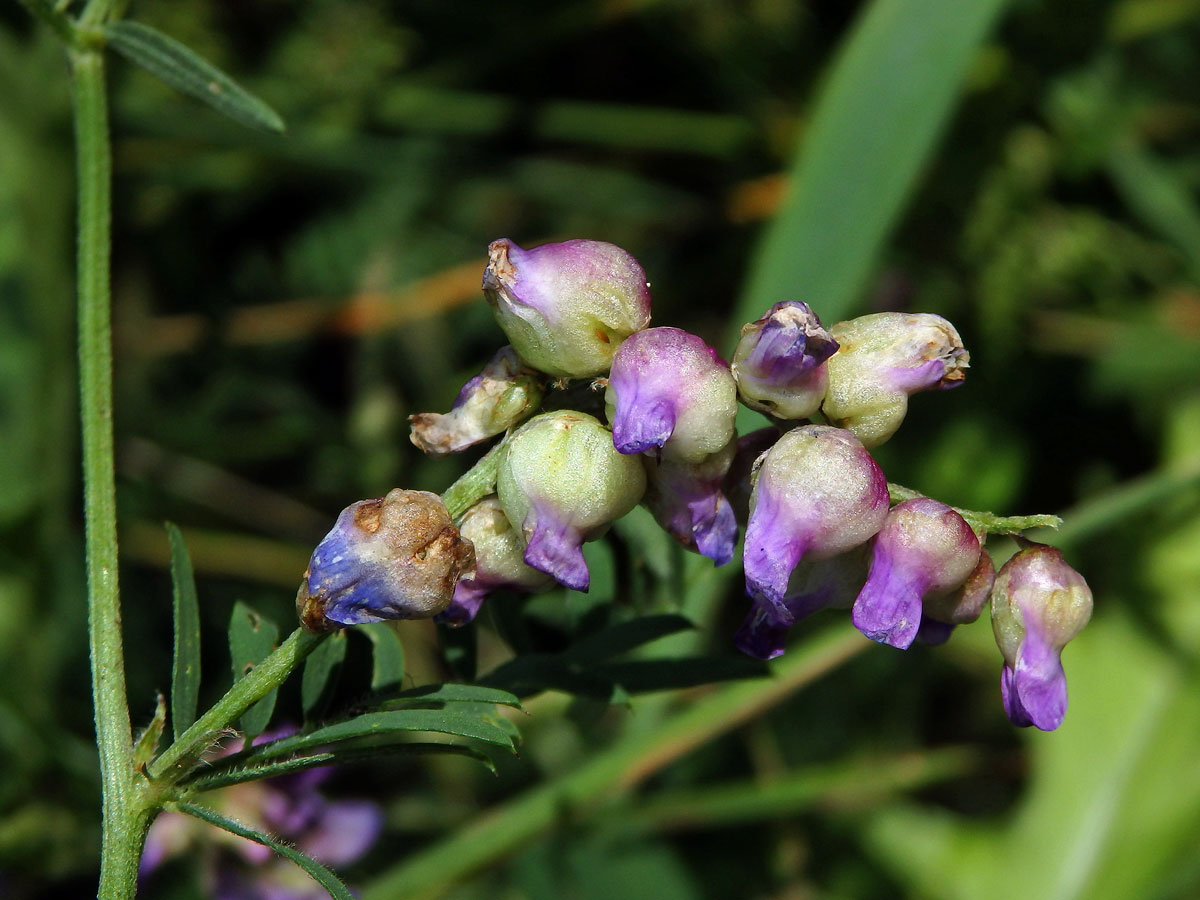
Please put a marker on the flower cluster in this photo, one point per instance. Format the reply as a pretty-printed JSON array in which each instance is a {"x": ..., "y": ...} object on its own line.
[{"x": 820, "y": 527}]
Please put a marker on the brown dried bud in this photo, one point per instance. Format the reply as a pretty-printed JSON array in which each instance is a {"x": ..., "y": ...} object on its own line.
[{"x": 398, "y": 557}]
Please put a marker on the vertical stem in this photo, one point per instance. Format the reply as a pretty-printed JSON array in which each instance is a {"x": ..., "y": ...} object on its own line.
[{"x": 124, "y": 816}]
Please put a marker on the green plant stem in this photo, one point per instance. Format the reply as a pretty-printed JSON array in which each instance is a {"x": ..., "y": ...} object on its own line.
[
  {"x": 124, "y": 814},
  {"x": 183, "y": 755},
  {"x": 475, "y": 484},
  {"x": 55, "y": 19},
  {"x": 610, "y": 772},
  {"x": 97, "y": 12},
  {"x": 855, "y": 784},
  {"x": 984, "y": 522}
]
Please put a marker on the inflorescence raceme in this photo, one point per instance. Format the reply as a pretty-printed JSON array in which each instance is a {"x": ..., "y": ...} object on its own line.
[{"x": 820, "y": 530}]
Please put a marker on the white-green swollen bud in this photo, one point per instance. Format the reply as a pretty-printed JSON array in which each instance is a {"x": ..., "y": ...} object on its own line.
[
  {"x": 881, "y": 360},
  {"x": 561, "y": 482},
  {"x": 1039, "y": 603},
  {"x": 566, "y": 307},
  {"x": 670, "y": 395},
  {"x": 499, "y": 562},
  {"x": 500, "y": 396}
]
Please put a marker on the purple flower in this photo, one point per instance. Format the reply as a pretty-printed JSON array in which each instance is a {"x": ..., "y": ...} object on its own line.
[
  {"x": 1039, "y": 603},
  {"x": 561, "y": 482},
  {"x": 499, "y": 562},
  {"x": 566, "y": 307},
  {"x": 924, "y": 548},
  {"x": 779, "y": 362},
  {"x": 500, "y": 396},
  {"x": 670, "y": 394},
  {"x": 881, "y": 360},
  {"x": 817, "y": 493},
  {"x": 687, "y": 501},
  {"x": 333, "y": 832},
  {"x": 398, "y": 557},
  {"x": 815, "y": 585}
]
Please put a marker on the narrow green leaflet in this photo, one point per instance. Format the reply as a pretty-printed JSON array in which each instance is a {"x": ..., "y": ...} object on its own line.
[
  {"x": 455, "y": 693},
  {"x": 185, "y": 668},
  {"x": 536, "y": 672},
  {"x": 321, "y": 875},
  {"x": 251, "y": 639},
  {"x": 180, "y": 67},
  {"x": 387, "y": 656},
  {"x": 320, "y": 675},
  {"x": 342, "y": 754},
  {"x": 383, "y": 724},
  {"x": 624, "y": 637}
]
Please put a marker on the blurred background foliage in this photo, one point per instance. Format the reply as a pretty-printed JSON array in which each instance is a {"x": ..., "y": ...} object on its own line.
[{"x": 282, "y": 304}]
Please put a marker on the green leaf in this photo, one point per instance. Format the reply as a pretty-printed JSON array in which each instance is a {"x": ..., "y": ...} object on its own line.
[
  {"x": 381, "y": 724},
  {"x": 185, "y": 668},
  {"x": 624, "y": 637},
  {"x": 874, "y": 127},
  {"x": 321, "y": 669},
  {"x": 251, "y": 639},
  {"x": 456, "y": 693},
  {"x": 180, "y": 67},
  {"x": 387, "y": 655},
  {"x": 321, "y": 875}
]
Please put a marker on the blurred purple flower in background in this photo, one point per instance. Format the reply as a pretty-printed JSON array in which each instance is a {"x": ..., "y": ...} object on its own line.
[{"x": 333, "y": 832}]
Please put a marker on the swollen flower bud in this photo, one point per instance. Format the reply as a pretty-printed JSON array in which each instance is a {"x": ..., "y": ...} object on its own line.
[
  {"x": 924, "y": 548},
  {"x": 779, "y": 361},
  {"x": 1039, "y": 603},
  {"x": 398, "y": 557},
  {"x": 669, "y": 393},
  {"x": 500, "y": 396},
  {"x": 561, "y": 482},
  {"x": 882, "y": 359},
  {"x": 939, "y": 615},
  {"x": 815, "y": 585},
  {"x": 687, "y": 501},
  {"x": 499, "y": 562},
  {"x": 817, "y": 493},
  {"x": 566, "y": 307}
]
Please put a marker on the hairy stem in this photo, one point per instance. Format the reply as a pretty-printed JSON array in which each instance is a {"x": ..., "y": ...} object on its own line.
[
  {"x": 475, "y": 484},
  {"x": 183, "y": 755},
  {"x": 124, "y": 815}
]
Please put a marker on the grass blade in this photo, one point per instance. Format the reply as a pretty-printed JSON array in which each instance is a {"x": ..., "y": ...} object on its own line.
[
  {"x": 873, "y": 129},
  {"x": 185, "y": 666}
]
